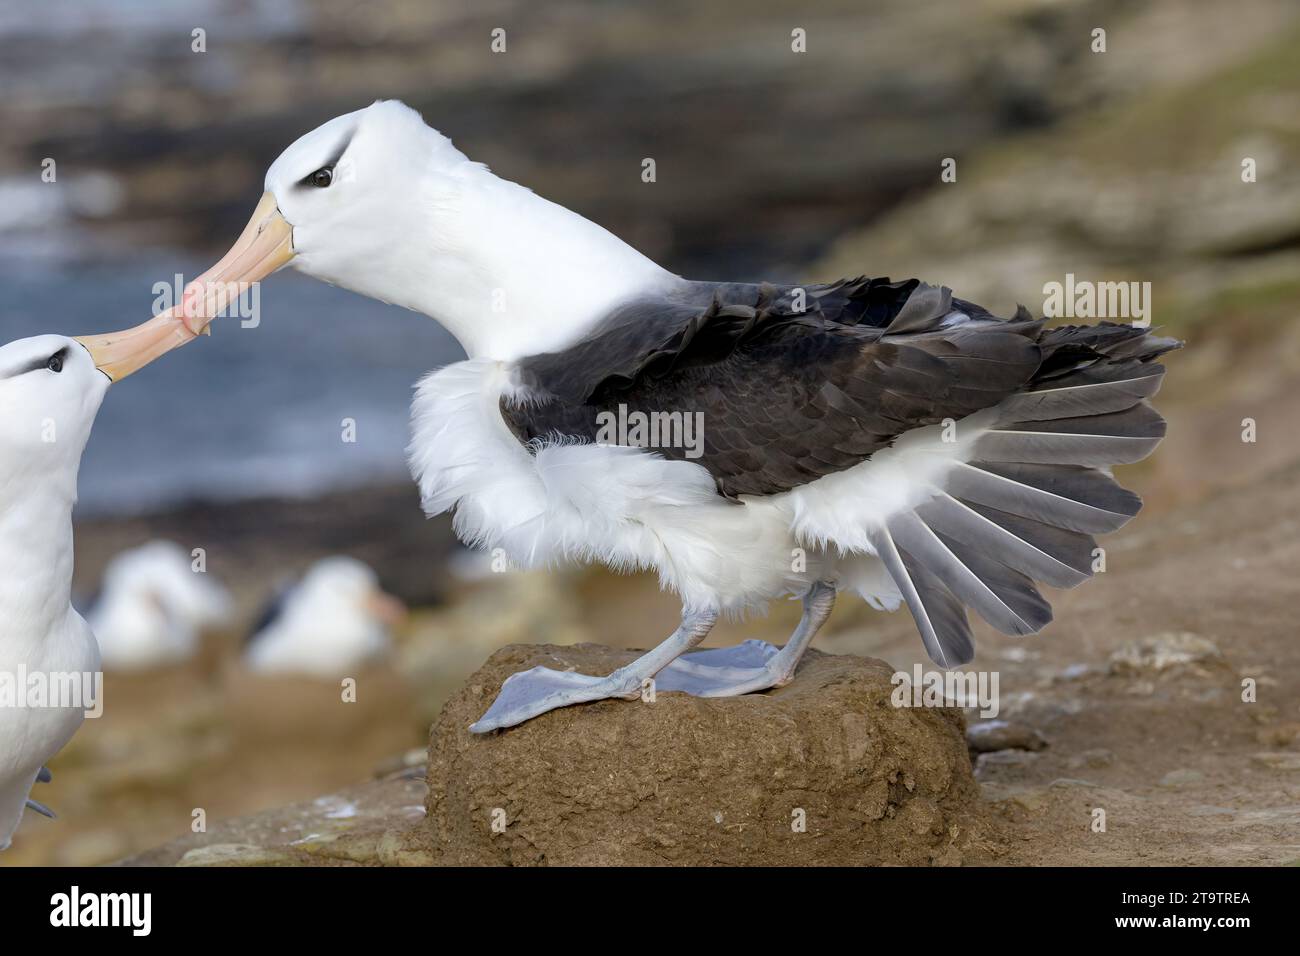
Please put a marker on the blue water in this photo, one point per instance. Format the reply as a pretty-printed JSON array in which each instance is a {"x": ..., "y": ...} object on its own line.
[{"x": 248, "y": 411}]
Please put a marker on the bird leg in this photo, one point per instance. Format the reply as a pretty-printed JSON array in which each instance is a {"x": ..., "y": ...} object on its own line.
[
  {"x": 42, "y": 776},
  {"x": 40, "y": 808},
  {"x": 532, "y": 692},
  {"x": 753, "y": 665}
]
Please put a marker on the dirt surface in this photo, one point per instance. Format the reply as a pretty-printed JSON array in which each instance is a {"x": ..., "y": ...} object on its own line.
[
  {"x": 365, "y": 825},
  {"x": 177, "y": 749}
]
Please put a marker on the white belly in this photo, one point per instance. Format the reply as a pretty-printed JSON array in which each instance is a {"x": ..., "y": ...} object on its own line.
[{"x": 31, "y": 735}]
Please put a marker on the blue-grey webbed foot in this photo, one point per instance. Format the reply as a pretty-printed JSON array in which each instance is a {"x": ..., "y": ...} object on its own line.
[
  {"x": 530, "y": 693},
  {"x": 711, "y": 672},
  {"x": 750, "y": 666}
]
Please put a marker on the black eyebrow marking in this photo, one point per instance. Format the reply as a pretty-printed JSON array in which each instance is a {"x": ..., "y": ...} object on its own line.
[
  {"x": 36, "y": 364},
  {"x": 334, "y": 161}
]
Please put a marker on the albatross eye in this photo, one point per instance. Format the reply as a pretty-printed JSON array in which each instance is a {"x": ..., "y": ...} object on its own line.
[
  {"x": 55, "y": 363},
  {"x": 322, "y": 177}
]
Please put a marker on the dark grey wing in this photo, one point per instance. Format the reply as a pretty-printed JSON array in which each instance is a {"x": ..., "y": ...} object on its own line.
[
  {"x": 789, "y": 384},
  {"x": 270, "y": 612},
  {"x": 790, "y": 394}
]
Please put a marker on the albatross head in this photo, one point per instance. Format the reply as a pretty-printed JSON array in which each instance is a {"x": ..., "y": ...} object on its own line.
[
  {"x": 51, "y": 387},
  {"x": 50, "y": 392},
  {"x": 355, "y": 202},
  {"x": 379, "y": 203},
  {"x": 367, "y": 195}
]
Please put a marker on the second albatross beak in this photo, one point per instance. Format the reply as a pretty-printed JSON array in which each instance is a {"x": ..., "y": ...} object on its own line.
[
  {"x": 265, "y": 245},
  {"x": 118, "y": 354}
]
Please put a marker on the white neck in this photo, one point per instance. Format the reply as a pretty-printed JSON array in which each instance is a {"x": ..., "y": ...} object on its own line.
[
  {"x": 36, "y": 555},
  {"x": 510, "y": 274}
]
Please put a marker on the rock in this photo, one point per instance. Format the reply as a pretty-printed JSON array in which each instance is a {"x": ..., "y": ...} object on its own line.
[
  {"x": 1032, "y": 800},
  {"x": 235, "y": 854},
  {"x": 1067, "y": 794},
  {"x": 990, "y": 764},
  {"x": 411, "y": 760},
  {"x": 823, "y": 771},
  {"x": 1277, "y": 761},
  {"x": 1279, "y": 735},
  {"x": 367, "y": 825},
  {"x": 1181, "y": 778},
  {"x": 1095, "y": 758},
  {"x": 1162, "y": 651},
  {"x": 992, "y": 735}
]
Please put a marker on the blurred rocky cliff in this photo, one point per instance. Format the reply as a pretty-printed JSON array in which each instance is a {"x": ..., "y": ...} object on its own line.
[{"x": 762, "y": 153}]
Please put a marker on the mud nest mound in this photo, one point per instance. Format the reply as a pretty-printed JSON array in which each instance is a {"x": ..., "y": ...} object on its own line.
[{"x": 824, "y": 771}]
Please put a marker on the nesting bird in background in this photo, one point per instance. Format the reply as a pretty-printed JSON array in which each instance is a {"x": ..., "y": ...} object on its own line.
[
  {"x": 51, "y": 388},
  {"x": 332, "y": 621},
  {"x": 154, "y": 607},
  {"x": 881, "y": 438}
]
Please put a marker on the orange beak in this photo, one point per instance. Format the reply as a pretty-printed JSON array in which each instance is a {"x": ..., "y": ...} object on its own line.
[
  {"x": 265, "y": 245},
  {"x": 386, "y": 608},
  {"x": 118, "y": 354}
]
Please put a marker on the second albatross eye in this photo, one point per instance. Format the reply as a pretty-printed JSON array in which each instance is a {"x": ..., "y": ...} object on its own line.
[
  {"x": 322, "y": 177},
  {"x": 55, "y": 364}
]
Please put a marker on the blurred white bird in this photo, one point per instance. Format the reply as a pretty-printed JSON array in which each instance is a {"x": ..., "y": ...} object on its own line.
[
  {"x": 50, "y": 392},
  {"x": 154, "y": 607},
  {"x": 333, "y": 620}
]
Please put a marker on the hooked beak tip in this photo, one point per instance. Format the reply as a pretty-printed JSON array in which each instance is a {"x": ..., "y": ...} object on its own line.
[{"x": 265, "y": 245}]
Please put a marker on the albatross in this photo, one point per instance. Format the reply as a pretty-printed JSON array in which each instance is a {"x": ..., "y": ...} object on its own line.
[
  {"x": 881, "y": 438},
  {"x": 51, "y": 388},
  {"x": 154, "y": 607},
  {"x": 335, "y": 619}
]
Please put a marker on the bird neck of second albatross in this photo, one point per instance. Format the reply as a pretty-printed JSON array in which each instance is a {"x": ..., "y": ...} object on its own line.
[
  {"x": 512, "y": 274},
  {"x": 35, "y": 555}
]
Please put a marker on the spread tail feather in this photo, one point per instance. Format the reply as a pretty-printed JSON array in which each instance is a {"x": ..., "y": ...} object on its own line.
[
  {"x": 939, "y": 616},
  {"x": 1023, "y": 504}
]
